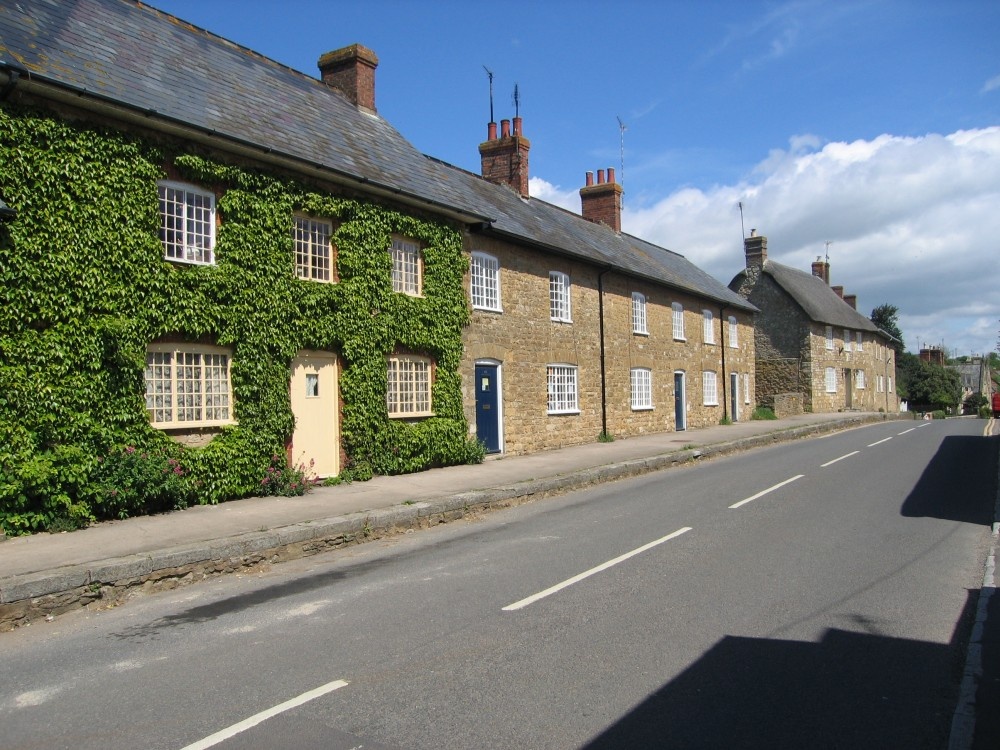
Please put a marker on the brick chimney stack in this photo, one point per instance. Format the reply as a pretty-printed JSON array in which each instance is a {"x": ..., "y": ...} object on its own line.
[
  {"x": 601, "y": 203},
  {"x": 852, "y": 300},
  {"x": 821, "y": 269},
  {"x": 755, "y": 248},
  {"x": 351, "y": 71},
  {"x": 839, "y": 291},
  {"x": 505, "y": 159}
]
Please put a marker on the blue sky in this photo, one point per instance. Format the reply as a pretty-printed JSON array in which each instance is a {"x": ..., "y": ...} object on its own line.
[{"x": 874, "y": 126}]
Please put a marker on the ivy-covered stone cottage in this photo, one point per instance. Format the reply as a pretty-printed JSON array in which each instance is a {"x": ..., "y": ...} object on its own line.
[{"x": 246, "y": 269}]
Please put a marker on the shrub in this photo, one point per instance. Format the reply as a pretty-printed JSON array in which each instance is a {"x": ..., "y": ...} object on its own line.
[
  {"x": 133, "y": 481},
  {"x": 763, "y": 412},
  {"x": 287, "y": 481}
]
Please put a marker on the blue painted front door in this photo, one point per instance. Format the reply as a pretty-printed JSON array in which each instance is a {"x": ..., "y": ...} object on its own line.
[{"x": 488, "y": 407}]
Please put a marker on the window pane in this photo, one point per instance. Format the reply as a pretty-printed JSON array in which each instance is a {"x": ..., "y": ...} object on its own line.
[
  {"x": 562, "y": 393},
  {"x": 405, "y": 267},
  {"x": 642, "y": 388},
  {"x": 187, "y": 224},
  {"x": 313, "y": 249},
  {"x": 485, "y": 282},
  {"x": 408, "y": 386},
  {"x": 559, "y": 307}
]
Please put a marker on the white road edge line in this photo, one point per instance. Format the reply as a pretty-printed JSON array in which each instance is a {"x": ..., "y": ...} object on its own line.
[
  {"x": 764, "y": 492},
  {"x": 879, "y": 442},
  {"x": 586, "y": 574},
  {"x": 846, "y": 455},
  {"x": 256, "y": 719},
  {"x": 906, "y": 431}
]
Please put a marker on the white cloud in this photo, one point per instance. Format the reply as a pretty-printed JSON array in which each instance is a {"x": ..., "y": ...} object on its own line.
[
  {"x": 546, "y": 191},
  {"x": 991, "y": 85},
  {"x": 913, "y": 222}
]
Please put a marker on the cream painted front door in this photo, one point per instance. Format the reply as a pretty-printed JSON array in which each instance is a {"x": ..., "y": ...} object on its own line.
[{"x": 315, "y": 404}]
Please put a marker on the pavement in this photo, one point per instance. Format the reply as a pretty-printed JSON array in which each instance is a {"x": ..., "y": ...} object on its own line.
[{"x": 48, "y": 574}]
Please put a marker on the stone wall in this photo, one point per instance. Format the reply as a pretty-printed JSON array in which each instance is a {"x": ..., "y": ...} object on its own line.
[{"x": 523, "y": 340}]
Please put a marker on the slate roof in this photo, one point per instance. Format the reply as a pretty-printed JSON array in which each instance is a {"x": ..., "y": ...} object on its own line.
[
  {"x": 816, "y": 298},
  {"x": 135, "y": 56}
]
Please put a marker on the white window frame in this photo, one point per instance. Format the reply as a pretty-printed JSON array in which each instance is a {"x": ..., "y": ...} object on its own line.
[
  {"x": 890, "y": 383},
  {"x": 188, "y": 385},
  {"x": 707, "y": 329},
  {"x": 734, "y": 329},
  {"x": 408, "y": 386},
  {"x": 709, "y": 388},
  {"x": 677, "y": 321},
  {"x": 829, "y": 338},
  {"x": 859, "y": 380},
  {"x": 639, "y": 314},
  {"x": 847, "y": 340},
  {"x": 880, "y": 384},
  {"x": 858, "y": 339},
  {"x": 560, "y": 298},
  {"x": 485, "y": 283},
  {"x": 641, "y": 379},
  {"x": 831, "y": 379},
  {"x": 407, "y": 266},
  {"x": 313, "y": 247},
  {"x": 187, "y": 223},
  {"x": 746, "y": 388},
  {"x": 562, "y": 387}
]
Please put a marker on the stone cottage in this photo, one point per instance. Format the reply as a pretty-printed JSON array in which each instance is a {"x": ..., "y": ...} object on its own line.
[{"x": 814, "y": 350}]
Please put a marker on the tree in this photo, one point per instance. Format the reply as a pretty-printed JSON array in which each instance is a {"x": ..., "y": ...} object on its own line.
[
  {"x": 927, "y": 386},
  {"x": 886, "y": 317}
]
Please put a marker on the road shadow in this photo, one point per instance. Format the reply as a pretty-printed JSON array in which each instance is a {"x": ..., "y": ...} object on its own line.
[
  {"x": 850, "y": 691},
  {"x": 959, "y": 483}
]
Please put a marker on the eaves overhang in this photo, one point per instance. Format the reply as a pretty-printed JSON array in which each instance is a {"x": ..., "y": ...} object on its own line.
[
  {"x": 607, "y": 265},
  {"x": 81, "y": 97}
]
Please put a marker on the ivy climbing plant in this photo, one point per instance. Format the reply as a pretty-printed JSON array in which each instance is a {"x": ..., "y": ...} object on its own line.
[{"x": 84, "y": 289}]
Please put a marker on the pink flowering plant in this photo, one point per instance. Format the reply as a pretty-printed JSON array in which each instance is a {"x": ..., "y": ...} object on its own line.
[
  {"x": 287, "y": 480},
  {"x": 135, "y": 481}
]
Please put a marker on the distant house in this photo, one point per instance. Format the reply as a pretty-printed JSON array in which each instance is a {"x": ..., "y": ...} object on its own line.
[
  {"x": 215, "y": 250},
  {"x": 975, "y": 376},
  {"x": 811, "y": 342}
]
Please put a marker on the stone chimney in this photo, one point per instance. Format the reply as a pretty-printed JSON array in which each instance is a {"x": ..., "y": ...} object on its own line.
[
  {"x": 821, "y": 269},
  {"x": 755, "y": 247},
  {"x": 852, "y": 300},
  {"x": 505, "y": 159},
  {"x": 351, "y": 71},
  {"x": 601, "y": 203}
]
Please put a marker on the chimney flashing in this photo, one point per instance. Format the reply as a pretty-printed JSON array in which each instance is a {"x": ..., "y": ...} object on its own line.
[
  {"x": 505, "y": 159},
  {"x": 755, "y": 249},
  {"x": 351, "y": 70},
  {"x": 601, "y": 203}
]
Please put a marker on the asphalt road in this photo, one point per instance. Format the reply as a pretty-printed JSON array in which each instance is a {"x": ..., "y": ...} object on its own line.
[{"x": 815, "y": 594}]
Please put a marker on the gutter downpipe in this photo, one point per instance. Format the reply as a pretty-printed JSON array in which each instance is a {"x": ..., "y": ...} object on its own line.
[
  {"x": 604, "y": 379},
  {"x": 13, "y": 76},
  {"x": 725, "y": 379}
]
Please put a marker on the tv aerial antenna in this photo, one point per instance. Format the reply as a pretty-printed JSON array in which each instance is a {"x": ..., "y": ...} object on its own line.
[
  {"x": 489, "y": 74},
  {"x": 517, "y": 101},
  {"x": 621, "y": 135},
  {"x": 828, "y": 243}
]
